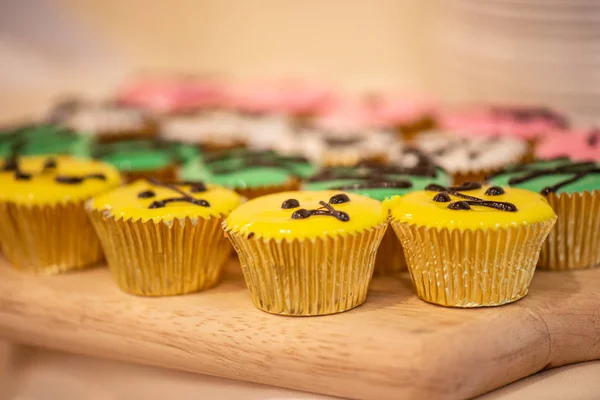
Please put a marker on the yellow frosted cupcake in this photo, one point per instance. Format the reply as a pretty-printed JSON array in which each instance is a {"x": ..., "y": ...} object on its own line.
[
  {"x": 164, "y": 239},
  {"x": 44, "y": 227},
  {"x": 307, "y": 253},
  {"x": 471, "y": 246}
]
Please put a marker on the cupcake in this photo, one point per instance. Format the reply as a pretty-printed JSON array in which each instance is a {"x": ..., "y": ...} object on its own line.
[
  {"x": 573, "y": 191},
  {"x": 42, "y": 139},
  {"x": 404, "y": 114},
  {"x": 163, "y": 239},
  {"x": 45, "y": 229},
  {"x": 136, "y": 159},
  {"x": 380, "y": 183},
  {"x": 471, "y": 246},
  {"x": 249, "y": 173},
  {"x": 213, "y": 130},
  {"x": 307, "y": 253},
  {"x": 471, "y": 159},
  {"x": 578, "y": 145}
]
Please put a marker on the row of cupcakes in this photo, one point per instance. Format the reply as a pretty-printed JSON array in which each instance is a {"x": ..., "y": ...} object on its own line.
[{"x": 311, "y": 252}]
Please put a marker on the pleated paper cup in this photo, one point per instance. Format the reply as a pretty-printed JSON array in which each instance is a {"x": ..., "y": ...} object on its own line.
[
  {"x": 162, "y": 258},
  {"x": 390, "y": 255},
  {"x": 257, "y": 191},
  {"x": 309, "y": 277},
  {"x": 472, "y": 268},
  {"x": 574, "y": 243},
  {"x": 48, "y": 239}
]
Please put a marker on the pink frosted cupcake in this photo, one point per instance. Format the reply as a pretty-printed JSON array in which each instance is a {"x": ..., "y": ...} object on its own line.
[
  {"x": 406, "y": 115},
  {"x": 578, "y": 145}
]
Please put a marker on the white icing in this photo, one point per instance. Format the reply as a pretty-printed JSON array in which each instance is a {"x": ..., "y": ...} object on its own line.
[
  {"x": 103, "y": 120},
  {"x": 210, "y": 127},
  {"x": 265, "y": 131},
  {"x": 492, "y": 152}
]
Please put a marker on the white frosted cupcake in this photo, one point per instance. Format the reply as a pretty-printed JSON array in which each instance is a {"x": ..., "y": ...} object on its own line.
[{"x": 473, "y": 158}]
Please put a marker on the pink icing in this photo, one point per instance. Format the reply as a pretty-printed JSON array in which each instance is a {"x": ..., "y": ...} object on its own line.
[
  {"x": 169, "y": 95},
  {"x": 523, "y": 122},
  {"x": 578, "y": 145},
  {"x": 394, "y": 110},
  {"x": 284, "y": 97}
]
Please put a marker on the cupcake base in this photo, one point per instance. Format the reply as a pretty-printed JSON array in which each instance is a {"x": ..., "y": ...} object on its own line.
[
  {"x": 148, "y": 131},
  {"x": 253, "y": 192},
  {"x": 574, "y": 243},
  {"x": 163, "y": 258},
  {"x": 409, "y": 131},
  {"x": 472, "y": 268},
  {"x": 48, "y": 239},
  {"x": 390, "y": 255},
  {"x": 308, "y": 277}
]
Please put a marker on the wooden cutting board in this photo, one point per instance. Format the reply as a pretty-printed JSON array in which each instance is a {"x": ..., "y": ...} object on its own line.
[{"x": 393, "y": 347}]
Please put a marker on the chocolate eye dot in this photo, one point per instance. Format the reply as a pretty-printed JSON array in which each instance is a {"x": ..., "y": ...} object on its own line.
[
  {"x": 21, "y": 176},
  {"x": 290, "y": 203},
  {"x": 442, "y": 197},
  {"x": 146, "y": 194},
  {"x": 301, "y": 214},
  {"x": 494, "y": 191},
  {"x": 459, "y": 205},
  {"x": 339, "y": 199},
  {"x": 198, "y": 187},
  {"x": 50, "y": 163}
]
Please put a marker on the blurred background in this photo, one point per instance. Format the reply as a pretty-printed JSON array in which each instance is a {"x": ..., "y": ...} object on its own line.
[{"x": 528, "y": 51}]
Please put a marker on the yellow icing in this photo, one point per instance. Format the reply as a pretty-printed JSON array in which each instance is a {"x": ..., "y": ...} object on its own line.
[
  {"x": 419, "y": 208},
  {"x": 42, "y": 187},
  {"x": 264, "y": 218},
  {"x": 125, "y": 203}
]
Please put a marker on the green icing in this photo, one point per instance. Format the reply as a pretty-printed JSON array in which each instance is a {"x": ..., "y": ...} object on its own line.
[
  {"x": 43, "y": 139},
  {"x": 141, "y": 160},
  {"x": 241, "y": 168},
  {"x": 589, "y": 182},
  {"x": 419, "y": 182}
]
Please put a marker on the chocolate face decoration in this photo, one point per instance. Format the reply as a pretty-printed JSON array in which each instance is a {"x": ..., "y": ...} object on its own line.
[
  {"x": 532, "y": 113},
  {"x": 326, "y": 209},
  {"x": 445, "y": 193},
  {"x": 234, "y": 160},
  {"x": 12, "y": 164},
  {"x": 593, "y": 138},
  {"x": 185, "y": 197}
]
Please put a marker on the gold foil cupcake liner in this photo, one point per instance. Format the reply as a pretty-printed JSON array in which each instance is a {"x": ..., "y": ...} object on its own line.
[
  {"x": 472, "y": 268},
  {"x": 253, "y": 192},
  {"x": 308, "y": 277},
  {"x": 574, "y": 243},
  {"x": 390, "y": 255},
  {"x": 162, "y": 259},
  {"x": 410, "y": 131},
  {"x": 48, "y": 239}
]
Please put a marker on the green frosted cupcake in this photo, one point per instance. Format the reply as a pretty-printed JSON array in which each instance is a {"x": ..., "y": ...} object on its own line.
[
  {"x": 381, "y": 182},
  {"x": 30, "y": 140},
  {"x": 573, "y": 191},
  {"x": 145, "y": 158},
  {"x": 250, "y": 173}
]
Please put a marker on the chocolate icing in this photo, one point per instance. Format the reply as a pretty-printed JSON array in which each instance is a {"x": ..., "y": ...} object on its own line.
[
  {"x": 251, "y": 159},
  {"x": 339, "y": 199},
  {"x": 525, "y": 114},
  {"x": 326, "y": 210},
  {"x": 593, "y": 138},
  {"x": 290, "y": 203},
  {"x": 185, "y": 197},
  {"x": 398, "y": 184},
  {"x": 469, "y": 200},
  {"x": 146, "y": 194},
  {"x": 75, "y": 180}
]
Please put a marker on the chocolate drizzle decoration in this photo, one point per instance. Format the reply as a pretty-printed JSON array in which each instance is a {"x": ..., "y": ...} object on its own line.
[
  {"x": 326, "y": 210},
  {"x": 242, "y": 159},
  {"x": 185, "y": 197},
  {"x": 593, "y": 138},
  {"x": 445, "y": 193},
  {"x": 75, "y": 180},
  {"x": 146, "y": 194}
]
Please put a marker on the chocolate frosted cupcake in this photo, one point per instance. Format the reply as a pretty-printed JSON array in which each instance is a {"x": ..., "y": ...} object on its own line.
[
  {"x": 41, "y": 139},
  {"x": 250, "y": 173},
  {"x": 471, "y": 246},
  {"x": 45, "y": 229},
  {"x": 471, "y": 159},
  {"x": 382, "y": 182},
  {"x": 164, "y": 239},
  {"x": 137, "y": 159},
  {"x": 105, "y": 122},
  {"x": 573, "y": 191},
  {"x": 307, "y": 253}
]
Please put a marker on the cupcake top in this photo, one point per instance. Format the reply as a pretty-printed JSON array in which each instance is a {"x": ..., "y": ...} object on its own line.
[
  {"x": 578, "y": 145},
  {"x": 551, "y": 176},
  {"x": 393, "y": 109},
  {"x": 470, "y": 206},
  {"x": 379, "y": 181},
  {"x": 57, "y": 179},
  {"x": 305, "y": 215},
  {"x": 143, "y": 155},
  {"x": 457, "y": 154},
  {"x": 104, "y": 119},
  {"x": 206, "y": 127},
  {"x": 245, "y": 168},
  {"x": 29, "y": 140},
  {"x": 519, "y": 121},
  {"x": 158, "y": 201}
]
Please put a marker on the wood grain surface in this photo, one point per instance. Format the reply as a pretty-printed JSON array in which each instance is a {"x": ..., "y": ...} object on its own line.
[{"x": 393, "y": 347}]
